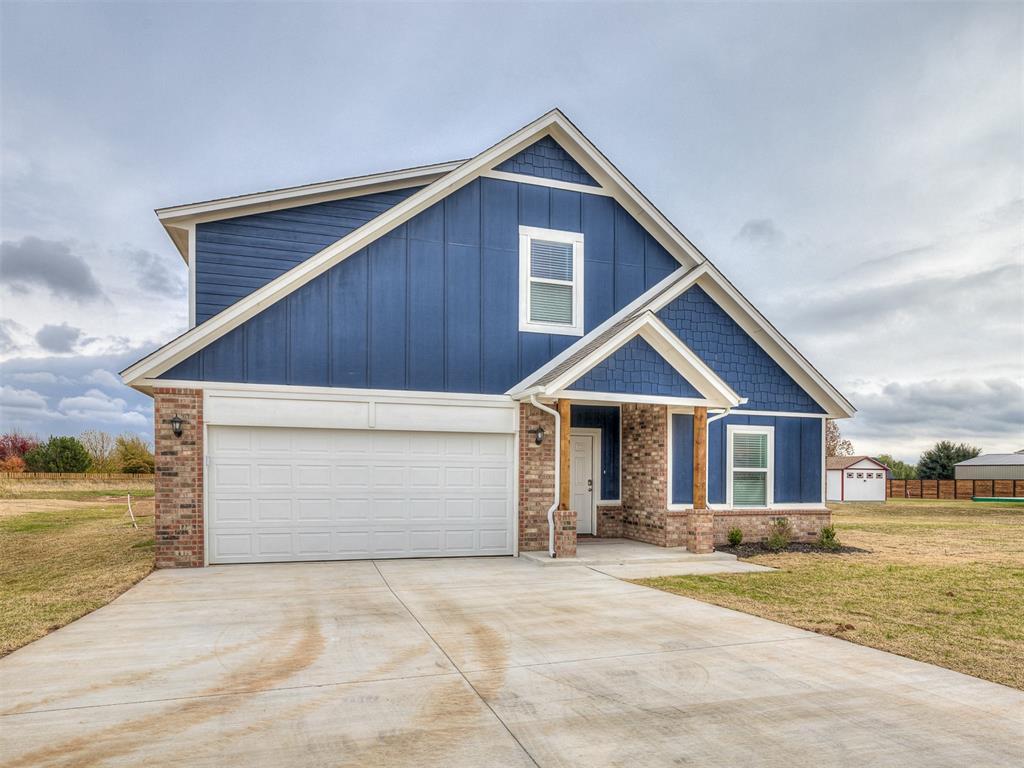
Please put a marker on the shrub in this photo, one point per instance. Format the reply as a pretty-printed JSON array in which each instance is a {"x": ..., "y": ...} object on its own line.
[
  {"x": 133, "y": 455},
  {"x": 58, "y": 454},
  {"x": 16, "y": 444},
  {"x": 780, "y": 534},
  {"x": 827, "y": 538},
  {"x": 12, "y": 464},
  {"x": 735, "y": 537}
]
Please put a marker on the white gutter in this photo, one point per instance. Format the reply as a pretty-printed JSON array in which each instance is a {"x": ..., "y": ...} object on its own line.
[
  {"x": 558, "y": 463},
  {"x": 721, "y": 415}
]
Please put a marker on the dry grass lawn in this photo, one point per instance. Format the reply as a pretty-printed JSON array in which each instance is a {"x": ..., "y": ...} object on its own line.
[
  {"x": 939, "y": 581},
  {"x": 66, "y": 552}
]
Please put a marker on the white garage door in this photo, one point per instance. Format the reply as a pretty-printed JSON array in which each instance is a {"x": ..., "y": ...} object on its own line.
[
  {"x": 277, "y": 494},
  {"x": 864, "y": 485}
]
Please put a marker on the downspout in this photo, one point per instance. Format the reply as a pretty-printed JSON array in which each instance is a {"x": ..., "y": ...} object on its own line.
[
  {"x": 707, "y": 468},
  {"x": 558, "y": 464}
]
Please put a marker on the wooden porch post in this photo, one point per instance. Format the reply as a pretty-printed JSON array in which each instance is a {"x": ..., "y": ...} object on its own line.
[
  {"x": 563, "y": 454},
  {"x": 700, "y": 458}
]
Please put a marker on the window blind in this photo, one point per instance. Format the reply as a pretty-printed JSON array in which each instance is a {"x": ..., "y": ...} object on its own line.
[
  {"x": 551, "y": 303},
  {"x": 750, "y": 489},
  {"x": 749, "y": 451},
  {"x": 550, "y": 260}
]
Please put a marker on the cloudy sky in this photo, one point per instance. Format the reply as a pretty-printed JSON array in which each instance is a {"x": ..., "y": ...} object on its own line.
[{"x": 857, "y": 170}]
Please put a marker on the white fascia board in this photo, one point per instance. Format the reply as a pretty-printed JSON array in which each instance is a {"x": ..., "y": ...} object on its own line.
[
  {"x": 615, "y": 398},
  {"x": 778, "y": 346},
  {"x": 611, "y": 178},
  {"x": 716, "y": 393},
  {"x": 179, "y": 349},
  {"x": 524, "y": 388},
  {"x": 538, "y": 181}
]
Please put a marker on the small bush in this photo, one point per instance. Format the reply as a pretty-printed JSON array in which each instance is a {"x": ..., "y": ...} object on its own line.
[
  {"x": 735, "y": 537},
  {"x": 133, "y": 455},
  {"x": 827, "y": 538},
  {"x": 780, "y": 534},
  {"x": 12, "y": 464}
]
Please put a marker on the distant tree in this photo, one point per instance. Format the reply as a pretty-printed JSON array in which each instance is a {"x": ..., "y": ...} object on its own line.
[
  {"x": 100, "y": 446},
  {"x": 835, "y": 443},
  {"x": 58, "y": 454},
  {"x": 937, "y": 462},
  {"x": 16, "y": 444},
  {"x": 900, "y": 469},
  {"x": 133, "y": 455}
]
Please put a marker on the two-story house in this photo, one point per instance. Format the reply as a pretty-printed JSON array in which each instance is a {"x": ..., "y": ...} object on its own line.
[{"x": 471, "y": 358}]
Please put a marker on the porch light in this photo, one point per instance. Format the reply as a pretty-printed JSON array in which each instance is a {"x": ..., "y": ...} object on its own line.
[
  {"x": 176, "y": 424},
  {"x": 538, "y": 434}
]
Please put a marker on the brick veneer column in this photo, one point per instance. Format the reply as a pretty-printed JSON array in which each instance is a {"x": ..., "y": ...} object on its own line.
[
  {"x": 565, "y": 533},
  {"x": 179, "y": 478},
  {"x": 645, "y": 473},
  {"x": 536, "y": 477}
]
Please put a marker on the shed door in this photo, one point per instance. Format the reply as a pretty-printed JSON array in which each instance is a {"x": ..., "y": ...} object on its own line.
[
  {"x": 284, "y": 494},
  {"x": 864, "y": 485}
]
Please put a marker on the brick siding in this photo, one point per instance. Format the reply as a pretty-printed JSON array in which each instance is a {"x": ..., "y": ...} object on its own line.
[
  {"x": 536, "y": 477},
  {"x": 807, "y": 524},
  {"x": 565, "y": 533},
  {"x": 179, "y": 478},
  {"x": 644, "y": 472},
  {"x": 609, "y": 522}
]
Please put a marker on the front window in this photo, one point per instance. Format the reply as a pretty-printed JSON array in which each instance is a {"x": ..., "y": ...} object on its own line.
[
  {"x": 550, "y": 281},
  {"x": 750, "y": 466}
]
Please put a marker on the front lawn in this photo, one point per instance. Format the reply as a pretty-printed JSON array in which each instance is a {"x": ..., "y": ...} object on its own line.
[
  {"x": 64, "y": 553},
  {"x": 938, "y": 581}
]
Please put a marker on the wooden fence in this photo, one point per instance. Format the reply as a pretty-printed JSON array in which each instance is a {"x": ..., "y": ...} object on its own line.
[
  {"x": 78, "y": 477},
  {"x": 952, "y": 489}
]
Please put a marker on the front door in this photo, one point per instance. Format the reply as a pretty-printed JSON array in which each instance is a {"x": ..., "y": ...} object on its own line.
[{"x": 581, "y": 454}]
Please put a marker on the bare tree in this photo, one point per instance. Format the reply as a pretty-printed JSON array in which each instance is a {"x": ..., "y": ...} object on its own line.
[
  {"x": 100, "y": 446},
  {"x": 835, "y": 443}
]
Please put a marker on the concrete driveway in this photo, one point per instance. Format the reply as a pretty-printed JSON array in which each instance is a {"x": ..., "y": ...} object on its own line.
[{"x": 479, "y": 662}]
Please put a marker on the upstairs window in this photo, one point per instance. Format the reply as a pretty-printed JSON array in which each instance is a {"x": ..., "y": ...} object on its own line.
[
  {"x": 550, "y": 281},
  {"x": 750, "y": 470}
]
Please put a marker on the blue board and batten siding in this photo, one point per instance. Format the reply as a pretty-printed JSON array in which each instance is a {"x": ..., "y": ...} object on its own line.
[
  {"x": 605, "y": 418},
  {"x": 434, "y": 305},
  {"x": 236, "y": 256},
  {"x": 797, "y": 461}
]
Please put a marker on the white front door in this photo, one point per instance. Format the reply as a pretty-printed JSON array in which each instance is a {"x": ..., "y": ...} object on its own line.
[{"x": 581, "y": 453}]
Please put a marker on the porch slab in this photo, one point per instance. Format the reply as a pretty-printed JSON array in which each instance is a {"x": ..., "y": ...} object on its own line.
[{"x": 628, "y": 559}]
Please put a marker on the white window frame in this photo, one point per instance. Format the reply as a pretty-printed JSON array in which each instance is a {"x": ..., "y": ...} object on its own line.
[
  {"x": 526, "y": 234},
  {"x": 732, "y": 429}
]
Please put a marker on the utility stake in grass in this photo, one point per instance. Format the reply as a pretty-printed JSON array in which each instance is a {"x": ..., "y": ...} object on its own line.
[{"x": 132, "y": 513}]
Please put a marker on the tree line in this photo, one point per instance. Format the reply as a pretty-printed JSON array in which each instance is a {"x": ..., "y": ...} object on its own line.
[
  {"x": 934, "y": 464},
  {"x": 92, "y": 451}
]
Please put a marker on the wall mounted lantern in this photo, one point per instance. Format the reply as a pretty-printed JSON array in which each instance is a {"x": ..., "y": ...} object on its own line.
[
  {"x": 538, "y": 434},
  {"x": 176, "y": 423}
]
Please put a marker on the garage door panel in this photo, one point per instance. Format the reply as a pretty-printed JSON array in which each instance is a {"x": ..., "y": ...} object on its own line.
[{"x": 281, "y": 494}]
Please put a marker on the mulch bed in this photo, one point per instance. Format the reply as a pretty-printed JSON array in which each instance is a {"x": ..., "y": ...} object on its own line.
[{"x": 750, "y": 550}]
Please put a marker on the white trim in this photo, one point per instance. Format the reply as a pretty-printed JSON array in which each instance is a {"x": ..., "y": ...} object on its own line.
[
  {"x": 744, "y": 412},
  {"x": 750, "y": 429},
  {"x": 611, "y": 398},
  {"x": 714, "y": 391},
  {"x": 575, "y": 239},
  {"x": 287, "y": 197},
  {"x": 781, "y": 506},
  {"x": 595, "y": 459},
  {"x": 333, "y": 393},
  {"x": 191, "y": 266},
  {"x": 554, "y": 123},
  {"x": 641, "y": 300},
  {"x": 522, "y": 178},
  {"x": 824, "y": 466}
]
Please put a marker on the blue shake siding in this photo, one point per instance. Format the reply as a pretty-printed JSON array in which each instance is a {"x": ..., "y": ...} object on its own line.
[
  {"x": 635, "y": 368},
  {"x": 434, "y": 305},
  {"x": 546, "y": 159}
]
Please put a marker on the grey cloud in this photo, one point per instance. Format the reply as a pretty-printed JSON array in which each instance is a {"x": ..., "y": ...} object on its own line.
[
  {"x": 8, "y": 343},
  {"x": 154, "y": 275},
  {"x": 58, "y": 338},
  {"x": 103, "y": 378},
  {"x": 760, "y": 232},
  {"x": 32, "y": 262},
  {"x": 907, "y": 417}
]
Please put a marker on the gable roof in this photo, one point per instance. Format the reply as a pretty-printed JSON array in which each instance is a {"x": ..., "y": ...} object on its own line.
[
  {"x": 842, "y": 462},
  {"x": 732, "y": 302},
  {"x": 553, "y": 123},
  {"x": 611, "y": 182},
  {"x": 994, "y": 460},
  {"x": 714, "y": 391},
  {"x": 177, "y": 220}
]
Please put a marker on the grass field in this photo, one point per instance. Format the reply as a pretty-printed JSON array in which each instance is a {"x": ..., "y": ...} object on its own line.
[
  {"x": 65, "y": 551},
  {"x": 938, "y": 581}
]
